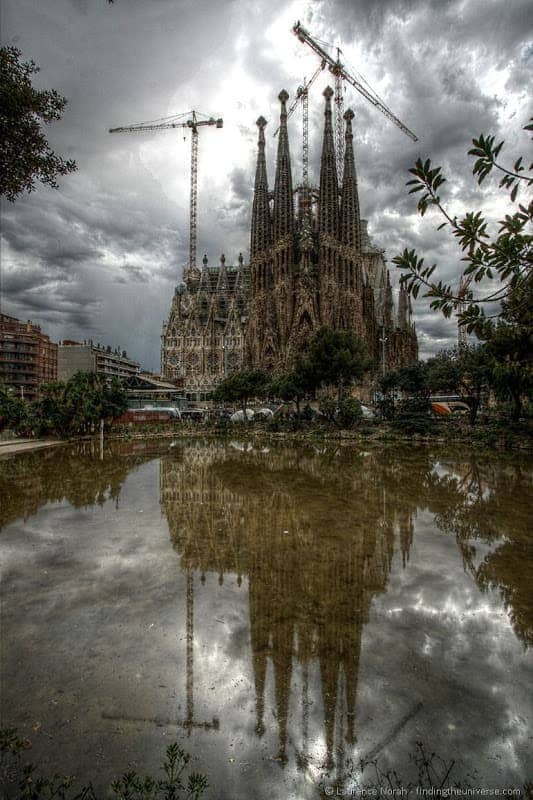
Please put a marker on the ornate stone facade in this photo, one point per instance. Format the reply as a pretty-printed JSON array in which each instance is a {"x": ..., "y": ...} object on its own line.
[
  {"x": 204, "y": 337},
  {"x": 312, "y": 264}
]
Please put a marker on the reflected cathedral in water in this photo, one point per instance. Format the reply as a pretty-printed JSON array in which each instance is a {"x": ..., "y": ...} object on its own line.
[{"x": 314, "y": 537}]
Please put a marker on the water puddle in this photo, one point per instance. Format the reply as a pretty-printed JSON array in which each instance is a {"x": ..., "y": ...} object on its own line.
[{"x": 284, "y": 612}]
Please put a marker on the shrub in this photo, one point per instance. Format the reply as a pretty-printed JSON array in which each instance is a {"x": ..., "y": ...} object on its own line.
[
  {"x": 349, "y": 411},
  {"x": 23, "y": 782},
  {"x": 414, "y": 424}
]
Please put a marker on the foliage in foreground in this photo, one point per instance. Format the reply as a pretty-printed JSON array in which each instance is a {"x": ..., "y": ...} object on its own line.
[
  {"x": 499, "y": 310},
  {"x": 25, "y": 156},
  {"x": 22, "y": 781},
  {"x": 498, "y": 265}
]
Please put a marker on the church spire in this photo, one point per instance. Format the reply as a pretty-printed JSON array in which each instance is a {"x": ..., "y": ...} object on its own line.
[
  {"x": 261, "y": 224},
  {"x": 350, "y": 219},
  {"x": 283, "y": 202},
  {"x": 328, "y": 209}
]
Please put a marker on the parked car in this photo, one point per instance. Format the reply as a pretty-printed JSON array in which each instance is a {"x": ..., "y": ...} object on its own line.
[{"x": 444, "y": 409}]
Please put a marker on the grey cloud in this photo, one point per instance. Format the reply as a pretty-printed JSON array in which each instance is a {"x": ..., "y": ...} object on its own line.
[
  {"x": 136, "y": 274},
  {"x": 117, "y": 230}
]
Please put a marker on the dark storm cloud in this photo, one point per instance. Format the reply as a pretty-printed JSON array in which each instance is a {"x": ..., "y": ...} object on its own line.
[
  {"x": 116, "y": 233},
  {"x": 436, "y": 60},
  {"x": 498, "y": 26}
]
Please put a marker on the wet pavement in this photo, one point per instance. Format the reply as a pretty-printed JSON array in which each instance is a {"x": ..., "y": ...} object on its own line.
[{"x": 283, "y": 611}]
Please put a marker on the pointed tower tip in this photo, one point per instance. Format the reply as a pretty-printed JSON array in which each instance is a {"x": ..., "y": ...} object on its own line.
[
  {"x": 328, "y": 92},
  {"x": 283, "y": 96},
  {"x": 261, "y": 123},
  {"x": 349, "y": 115}
]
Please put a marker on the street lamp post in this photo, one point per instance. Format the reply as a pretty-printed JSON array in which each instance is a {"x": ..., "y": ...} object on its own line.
[{"x": 383, "y": 339}]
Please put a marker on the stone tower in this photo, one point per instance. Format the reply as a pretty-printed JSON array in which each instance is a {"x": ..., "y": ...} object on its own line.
[
  {"x": 316, "y": 266},
  {"x": 312, "y": 264}
]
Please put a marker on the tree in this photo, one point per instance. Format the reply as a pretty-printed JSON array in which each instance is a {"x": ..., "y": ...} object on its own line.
[
  {"x": 78, "y": 405},
  {"x": 444, "y": 373},
  {"x": 114, "y": 400},
  {"x": 25, "y": 156},
  {"x": 87, "y": 399},
  {"x": 13, "y": 410},
  {"x": 336, "y": 358},
  {"x": 504, "y": 257},
  {"x": 512, "y": 371},
  {"x": 344, "y": 412},
  {"x": 467, "y": 369},
  {"x": 414, "y": 380},
  {"x": 292, "y": 386},
  {"x": 241, "y": 387},
  {"x": 389, "y": 382},
  {"x": 50, "y": 411}
]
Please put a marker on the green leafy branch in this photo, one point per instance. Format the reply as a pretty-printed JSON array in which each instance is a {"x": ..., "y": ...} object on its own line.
[
  {"x": 25, "y": 155},
  {"x": 506, "y": 257},
  {"x": 488, "y": 152}
]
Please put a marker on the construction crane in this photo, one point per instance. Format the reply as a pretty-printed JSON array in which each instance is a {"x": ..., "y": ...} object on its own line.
[
  {"x": 464, "y": 294},
  {"x": 341, "y": 74},
  {"x": 302, "y": 94},
  {"x": 193, "y": 123}
]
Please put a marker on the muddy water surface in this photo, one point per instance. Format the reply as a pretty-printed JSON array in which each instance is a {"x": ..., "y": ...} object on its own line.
[{"x": 284, "y": 612}]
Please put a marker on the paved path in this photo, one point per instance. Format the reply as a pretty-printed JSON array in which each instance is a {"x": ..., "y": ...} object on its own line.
[{"x": 10, "y": 446}]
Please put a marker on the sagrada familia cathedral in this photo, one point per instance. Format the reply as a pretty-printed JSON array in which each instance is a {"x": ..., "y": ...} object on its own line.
[{"x": 312, "y": 264}]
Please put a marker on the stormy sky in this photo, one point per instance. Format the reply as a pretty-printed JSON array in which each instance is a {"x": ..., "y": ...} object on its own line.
[{"x": 99, "y": 257}]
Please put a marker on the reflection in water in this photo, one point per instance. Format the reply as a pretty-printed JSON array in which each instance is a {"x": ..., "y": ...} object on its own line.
[
  {"x": 78, "y": 473},
  {"x": 353, "y": 623},
  {"x": 315, "y": 537},
  {"x": 481, "y": 501}
]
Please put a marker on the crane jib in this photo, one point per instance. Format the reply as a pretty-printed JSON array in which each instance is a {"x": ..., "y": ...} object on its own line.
[
  {"x": 338, "y": 70},
  {"x": 193, "y": 124}
]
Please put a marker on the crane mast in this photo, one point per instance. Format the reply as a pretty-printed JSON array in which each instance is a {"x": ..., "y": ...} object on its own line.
[
  {"x": 302, "y": 94},
  {"x": 339, "y": 127},
  {"x": 464, "y": 294},
  {"x": 341, "y": 74},
  {"x": 193, "y": 205},
  {"x": 193, "y": 123}
]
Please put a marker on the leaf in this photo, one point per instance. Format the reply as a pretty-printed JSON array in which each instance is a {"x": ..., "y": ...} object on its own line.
[{"x": 476, "y": 151}]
